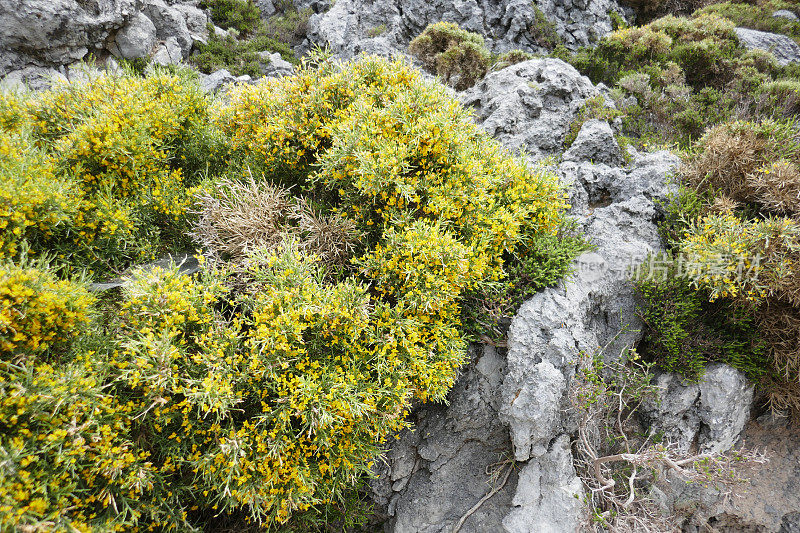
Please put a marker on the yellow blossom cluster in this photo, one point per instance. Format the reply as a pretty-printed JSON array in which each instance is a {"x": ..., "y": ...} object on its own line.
[
  {"x": 37, "y": 310},
  {"x": 92, "y": 169}
]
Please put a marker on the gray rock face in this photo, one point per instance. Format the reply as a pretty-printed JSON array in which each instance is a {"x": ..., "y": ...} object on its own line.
[
  {"x": 57, "y": 32},
  {"x": 434, "y": 474},
  {"x": 595, "y": 142},
  {"x": 33, "y": 78},
  {"x": 710, "y": 414},
  {"x": 529, "y": 106},
  {"x": 273, "y": 65},
  {"x": 196, "y": 22},
  {"x": 216, "y": 80},
  {"x": 516, "y": 406},
  {"x": 137, "y": 38},
  {"x": 506, "y": 24},
  {"x": 782, "y": 47},
  {"x": 785, "y": 14},
  {"x": 170, "y": 23},
  {"x": 546, "y": 497}
]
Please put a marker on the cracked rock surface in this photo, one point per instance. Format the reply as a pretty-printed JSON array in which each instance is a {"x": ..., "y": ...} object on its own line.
[{"x": 351, "y": 27}]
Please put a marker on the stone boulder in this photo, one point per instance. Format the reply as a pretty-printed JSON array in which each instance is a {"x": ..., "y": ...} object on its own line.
[
  {"x": 529, "y": 106},
  {"x": 215, "y": 81},
  {"x": 784, "y": 49},
  {"x": 273, "y": 65},
  {"x": 710, "y": 414},
  {"x": 137, "y": 38},
  {"x": 595, "y": 142},
  {"x": 57, "y": 32}
]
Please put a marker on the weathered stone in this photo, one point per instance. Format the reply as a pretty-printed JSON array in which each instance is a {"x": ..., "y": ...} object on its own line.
[
  {"x": 33, "y": 78},
  {"x": 784, "y": 49},
  {"x": 547, "y": 497},
  {"x": 196, "y": 22},
  {"x": 596, "y": 143},
  {"x": 272, "y": 64},
  {"x": 506, "y": 24},
  {"x": 216, "y": 80},
  {"x": 57, "y": 32},
  {"x": 785, "y": 14},
  {"x": 710, "y": 414},
  {"x": 168, "y": 53},
  {"x": 137, "y": 38},
  {"x": 529, "y": 106},
  {"x": 170, "y": 24}
]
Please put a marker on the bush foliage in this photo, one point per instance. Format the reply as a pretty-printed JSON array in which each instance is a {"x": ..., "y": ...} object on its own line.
[
  {"x": 458, "y": 56},
  {"x": 342, "y": 238}
]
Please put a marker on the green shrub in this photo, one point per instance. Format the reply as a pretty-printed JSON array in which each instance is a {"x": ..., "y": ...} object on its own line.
[
  {"x": 686, "y": 74},
  {"x": 96, "y": 169},
  {"x": 684, "y": 332},
  {"x": 543, "y": 30},
  {"x": 260, "y": 390},
  {"x": 459, "y": 57},
  {"x": 241, "y": 15},
  {"x": 759, "y": 16},
  {"x": 238, "y": 57},
  {"x": 511, "y": 58}
]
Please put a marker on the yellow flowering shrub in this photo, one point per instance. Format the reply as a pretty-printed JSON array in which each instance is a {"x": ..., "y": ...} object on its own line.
[
  {"x": 263, "y": 388},
  {"x": 109, "y": 153},
  {"x": 38, "y": 311}
]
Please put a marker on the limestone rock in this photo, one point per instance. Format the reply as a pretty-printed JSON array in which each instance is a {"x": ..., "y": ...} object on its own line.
[
  {"x": 57, "y": 32},
  {"x": 547, "y": 494},
  {"x": 273, "y": 65},
  {"x": 782, "y": 47},
  {"x": 437, "y": 471},
  {"x": 33, "y": 78},
  {"x": 529, "y": 106},
  {"x": 196, "y": 22},
  {"x": 786, "y": 14},
  {"x": 216, "y": 80},
  {"x": 137, "y": 38},
  {"x": 711, "y": 413},
  {"x": 168, "y": 53},
  {"x": 170, "y": 24},
  {"x": 505, "y": 24},
  {"x": 595, "y": 142}
]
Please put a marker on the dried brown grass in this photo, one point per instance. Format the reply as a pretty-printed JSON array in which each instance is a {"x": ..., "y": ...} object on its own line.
[
  {"x": 745, "y": 166},
  {"x": 239, "y": 216}
]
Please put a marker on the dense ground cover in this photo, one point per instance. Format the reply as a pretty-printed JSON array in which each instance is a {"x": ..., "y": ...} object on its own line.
[{"x": 341, "y": 238}]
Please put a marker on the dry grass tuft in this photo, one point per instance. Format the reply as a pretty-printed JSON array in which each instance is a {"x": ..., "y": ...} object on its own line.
[{"x": 239, "y": 216}]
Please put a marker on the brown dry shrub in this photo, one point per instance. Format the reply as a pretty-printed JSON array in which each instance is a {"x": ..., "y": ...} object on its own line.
[
  {"x": 750, "y": 163},
  {"x": 239, "y": 216},
  {"x": 777, "y": 187},
  {"x": 459, "y": 57}
]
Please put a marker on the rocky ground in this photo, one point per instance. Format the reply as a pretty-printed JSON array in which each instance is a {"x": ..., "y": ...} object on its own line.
[{"x": 507, "y": 429}]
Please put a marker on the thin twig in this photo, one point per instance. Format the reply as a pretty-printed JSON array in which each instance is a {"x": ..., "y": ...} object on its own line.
[{"x": 477, "y": 506}]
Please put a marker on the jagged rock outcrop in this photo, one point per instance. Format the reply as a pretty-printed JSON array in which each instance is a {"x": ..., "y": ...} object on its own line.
[
  {"x": 58, "y": 33},
  {"x": 529, "y": 106},
  {"x": 351, "y": 27},
  {"x": 709, "y": 415},
  {"x": 784, "y": 49}
]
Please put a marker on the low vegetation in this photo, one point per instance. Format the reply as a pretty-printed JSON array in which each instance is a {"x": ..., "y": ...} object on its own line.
[
  {"x": 340, "y": 241},
  {"x": 238, "y": 52}
]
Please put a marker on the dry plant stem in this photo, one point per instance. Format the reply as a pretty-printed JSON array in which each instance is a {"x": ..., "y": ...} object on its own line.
[{"x": 483, "y": 500}]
